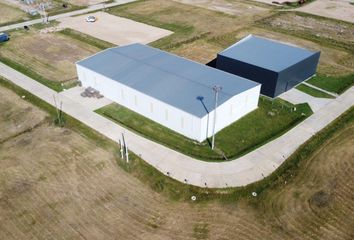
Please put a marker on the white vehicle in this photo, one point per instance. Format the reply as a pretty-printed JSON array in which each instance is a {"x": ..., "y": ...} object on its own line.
[{"x": 91, "y": 19}]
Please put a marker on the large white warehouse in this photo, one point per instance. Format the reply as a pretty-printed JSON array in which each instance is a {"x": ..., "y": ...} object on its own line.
[{"x": 172, "y": 91}]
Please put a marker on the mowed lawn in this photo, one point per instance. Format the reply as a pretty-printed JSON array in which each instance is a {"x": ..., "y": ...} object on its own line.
[
  {"x": 47, "y": 57},
  {"x": 258, "y": 127},
  {"x": 335, "y": 84},
  {"x": 9, "y": 14}
]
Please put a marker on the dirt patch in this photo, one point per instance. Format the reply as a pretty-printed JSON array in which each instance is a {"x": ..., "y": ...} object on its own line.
[
  {"x": 337, "y": 9},
  {"x": 16, "y": 115},
  {"x": 320, "y": 199},
  {"x": 51, "y": 55},
  {"x": 113, "y": 29}
]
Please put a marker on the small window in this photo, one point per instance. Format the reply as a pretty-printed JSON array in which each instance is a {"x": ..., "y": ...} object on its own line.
[
  {"x": 151, "y": 107},
  {"x": 122, "y": 93},
  {"x": 182, "y": 122},
  {"x": 135, "y": 100},
  {"x": 231, "y": 109}
]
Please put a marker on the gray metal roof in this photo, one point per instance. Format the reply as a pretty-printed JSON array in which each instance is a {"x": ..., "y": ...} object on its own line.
[
  {"x": 166, "y": 77},
  {"x": 266, "y": 53}
]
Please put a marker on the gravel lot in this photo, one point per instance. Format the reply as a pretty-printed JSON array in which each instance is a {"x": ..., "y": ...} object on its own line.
[{"x": 116, "y": 30}]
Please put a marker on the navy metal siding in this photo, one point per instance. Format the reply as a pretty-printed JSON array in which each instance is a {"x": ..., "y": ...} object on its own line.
[
  {"x": 297, "y": 73},
  {"x": 267, "y": 78}
]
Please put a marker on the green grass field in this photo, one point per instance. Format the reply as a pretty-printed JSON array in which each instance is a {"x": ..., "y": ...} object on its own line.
[
  {"x": 313, "y": 92},
  {"x": 336, "y": 84},
  {"x": 270, "y": 120}
]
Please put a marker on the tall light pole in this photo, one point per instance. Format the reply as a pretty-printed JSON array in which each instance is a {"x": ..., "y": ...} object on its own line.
[{"x": 216, "y": 89}]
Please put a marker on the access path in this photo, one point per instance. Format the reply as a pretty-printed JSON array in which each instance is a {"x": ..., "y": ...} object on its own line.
[{"x": 247, "y": 169}]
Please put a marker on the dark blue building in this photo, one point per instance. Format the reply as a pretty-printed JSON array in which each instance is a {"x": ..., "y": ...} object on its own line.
[{"x": 277, "y": 66}]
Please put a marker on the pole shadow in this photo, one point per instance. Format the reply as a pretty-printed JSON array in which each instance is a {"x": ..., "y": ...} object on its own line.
[{"x": 201, "y": 99}]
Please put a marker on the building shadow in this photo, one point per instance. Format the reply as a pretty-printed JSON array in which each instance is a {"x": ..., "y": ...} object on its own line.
[{"x": 201, "y": 99}]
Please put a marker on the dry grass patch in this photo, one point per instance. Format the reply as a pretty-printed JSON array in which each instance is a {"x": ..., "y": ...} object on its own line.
[
  {"x": 200, "y": 51},
  {"x": 237, "y": 8},
  {"x": 51, "y": 55},
  {"x": 16, "y": 115},
  {"x": 326, "y": 31},
  {"x": 10, "y": 14}
]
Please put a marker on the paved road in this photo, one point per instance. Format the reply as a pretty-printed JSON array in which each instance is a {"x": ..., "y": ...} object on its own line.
[
  {"x": 242, "y": 171},
  {"x": 64, "y": 15}
]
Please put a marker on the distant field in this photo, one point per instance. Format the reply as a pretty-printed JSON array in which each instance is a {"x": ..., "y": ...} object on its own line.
[
  {"x": 189, "y": 23},
  {"x": 50, "y": 56},
  {"x": 201, "y": 33},
  {"x": 65, "y": 183},
  {"x": 325, "y": 31},
  {"x": 10, "y": 14}
]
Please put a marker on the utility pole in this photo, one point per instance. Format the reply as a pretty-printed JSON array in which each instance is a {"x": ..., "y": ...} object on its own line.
[{"x": 216, "y": 89}]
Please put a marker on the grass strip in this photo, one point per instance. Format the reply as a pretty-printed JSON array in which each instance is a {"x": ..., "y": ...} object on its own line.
[
  {"x": 313, "y": 92},
  {"x": 336, "y": 84},
  {"x": 87, "y": 39}
]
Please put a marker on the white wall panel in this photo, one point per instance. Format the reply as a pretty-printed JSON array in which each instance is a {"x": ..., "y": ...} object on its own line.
[{"x": 167, "y": 115}]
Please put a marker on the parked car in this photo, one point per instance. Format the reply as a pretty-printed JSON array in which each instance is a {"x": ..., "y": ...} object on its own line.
[
  {"x": 91, "y": 19},
  {"x": 4, "y": 37}
]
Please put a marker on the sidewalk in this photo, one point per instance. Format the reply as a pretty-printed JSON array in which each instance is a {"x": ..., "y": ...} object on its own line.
[
  {"x": 67, "y": 14},
  {"x": 239, "y": 172}
]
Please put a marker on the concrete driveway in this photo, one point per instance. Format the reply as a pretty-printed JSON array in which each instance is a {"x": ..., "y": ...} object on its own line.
[
  {"x": 296, "y": 96},
  {"x": 113, "y": 29},
  {"x": 86, "y": 102}
]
